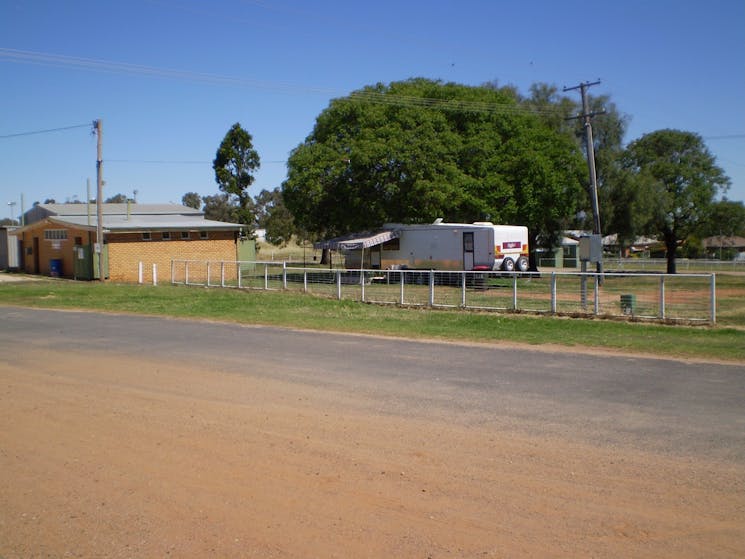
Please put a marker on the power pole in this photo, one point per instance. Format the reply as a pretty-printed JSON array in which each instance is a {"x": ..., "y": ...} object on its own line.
[
  {"x": 590, "y": 150},
  {"x": 98, "y": 131}
]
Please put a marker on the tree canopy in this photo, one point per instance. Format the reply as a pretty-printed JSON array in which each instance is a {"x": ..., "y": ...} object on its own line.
[
  {"x": 234, "y": 165},
  {"x": 192, "y": 200},
  {"x": 417, "y": 150},
  {"x": 674, "y": 185}
]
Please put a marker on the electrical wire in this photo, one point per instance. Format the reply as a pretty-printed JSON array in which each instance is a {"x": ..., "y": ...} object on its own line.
[{"x": 16, "y": 135}]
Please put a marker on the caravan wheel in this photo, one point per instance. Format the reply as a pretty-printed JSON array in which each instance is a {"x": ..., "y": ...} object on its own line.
[
  {"x": 523, "y": 264},
  {"x": 508, "y": 265}
]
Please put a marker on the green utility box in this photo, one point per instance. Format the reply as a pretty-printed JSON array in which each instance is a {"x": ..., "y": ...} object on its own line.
[{"x": 628, "y": 304}]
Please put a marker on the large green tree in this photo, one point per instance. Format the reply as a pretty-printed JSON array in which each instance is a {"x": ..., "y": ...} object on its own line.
[
  {"x": 417, "y": 150},
  {"x": 234, "y": 165},
  {"x": 675, "y": 182}
]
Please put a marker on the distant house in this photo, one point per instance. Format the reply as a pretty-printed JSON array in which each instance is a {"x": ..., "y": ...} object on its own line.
[
  {"x": 60, "y": 239},
  {"x": 722, "y": 246}
]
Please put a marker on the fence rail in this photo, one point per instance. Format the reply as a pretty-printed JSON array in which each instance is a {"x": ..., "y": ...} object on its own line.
[{"x": 644, "y": 296}]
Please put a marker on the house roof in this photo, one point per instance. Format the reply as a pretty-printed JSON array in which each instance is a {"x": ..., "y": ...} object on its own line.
[
  {"x": 358, "y": 241},
  {"x": 118, "y": 209},
  {"x": 123, "y": 223},
  {"x": 724, "y": 242}
]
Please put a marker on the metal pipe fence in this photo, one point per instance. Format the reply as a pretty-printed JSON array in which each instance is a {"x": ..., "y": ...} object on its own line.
[{"x": 640, "y": 296}]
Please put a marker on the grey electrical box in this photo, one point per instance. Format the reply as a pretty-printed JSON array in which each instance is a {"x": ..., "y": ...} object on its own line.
[{"x": 591, "y": 248}]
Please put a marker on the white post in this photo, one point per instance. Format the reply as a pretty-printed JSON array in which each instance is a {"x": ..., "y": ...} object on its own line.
[
  {"x": 431, "y": 288},
  {"x": 155, "y": 274},
  {"x": 463, "y": 289},
  {"x": 186, "y": 272},
  {"x": 338, "y": 285},
  {"x": 596, "y": 296},
  {"x": 514, "y": 291},
  {"x": 713, "y": 310},
  {"x": 266, "y": 277},
  {"x": 222, "y": 274},
  {"x": 284, "y": 273},
  {"x": 553, "y": 292},
  {"x": 139, "y": 272},
  {"x": 238, "y": 271},
  {"x": 662, "y": 297},
  {"x": 209, "y": 272}
]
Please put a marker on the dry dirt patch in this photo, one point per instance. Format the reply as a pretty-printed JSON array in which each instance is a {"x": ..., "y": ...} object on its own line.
[{"x": 131, "y": 458}]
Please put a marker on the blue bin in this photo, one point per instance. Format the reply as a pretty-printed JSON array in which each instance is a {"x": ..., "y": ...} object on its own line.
[{"x": 55, "y": 267}]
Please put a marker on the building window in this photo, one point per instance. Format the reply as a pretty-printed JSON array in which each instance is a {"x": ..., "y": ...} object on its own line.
[
  {"x": 204, "y": 235},
  {"x": 166, "y": 235},
  {"x": 55, "y": 234},
  {"x": 185, "y": 235},
  {"x": 146, "y": 236}
]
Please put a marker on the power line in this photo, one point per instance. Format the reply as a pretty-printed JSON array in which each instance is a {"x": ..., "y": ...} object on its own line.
[
  {"x": 215, "y": 79},
  {"x": 48, "y": 130}
]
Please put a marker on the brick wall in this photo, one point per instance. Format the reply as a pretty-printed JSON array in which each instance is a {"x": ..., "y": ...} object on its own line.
[
  {"x": 51, "y": 249},
  {"x": 127, "y": 250}
]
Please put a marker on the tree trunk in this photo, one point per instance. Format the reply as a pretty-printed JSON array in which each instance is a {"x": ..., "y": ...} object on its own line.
[
  {"x": 671, "y": 244},
  {"x": 325, "y": 256}
]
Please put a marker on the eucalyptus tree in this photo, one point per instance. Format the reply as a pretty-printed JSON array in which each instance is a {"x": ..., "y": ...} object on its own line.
[
  {"x": 676, "y": 180},
  {"x": 234, "y": 164}
]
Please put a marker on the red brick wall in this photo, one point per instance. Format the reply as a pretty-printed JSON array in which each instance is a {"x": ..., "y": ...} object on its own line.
[
  {"x": 127, "y": 250},
  {"x": 56, "y": 249}
]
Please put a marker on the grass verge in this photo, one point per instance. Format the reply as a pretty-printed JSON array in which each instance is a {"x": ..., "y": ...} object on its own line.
[{"x": 303, "y": 311}]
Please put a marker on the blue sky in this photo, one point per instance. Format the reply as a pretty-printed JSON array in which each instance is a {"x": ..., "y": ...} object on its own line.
[{"x": 169, "y": 77}]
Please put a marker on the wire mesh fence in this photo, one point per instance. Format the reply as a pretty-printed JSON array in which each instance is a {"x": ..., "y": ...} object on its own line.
[{"x": 643, "y": 296}]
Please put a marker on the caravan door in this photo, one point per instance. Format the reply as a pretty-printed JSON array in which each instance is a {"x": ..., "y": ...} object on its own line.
[{"x": 468, "y": 249}]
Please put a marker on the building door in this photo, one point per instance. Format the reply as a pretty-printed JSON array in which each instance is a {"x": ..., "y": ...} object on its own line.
[{"x": 468, "y": 250}]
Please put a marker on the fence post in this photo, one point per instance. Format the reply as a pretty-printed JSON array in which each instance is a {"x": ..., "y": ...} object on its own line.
[
  {"x": 284, "y": 274},
  {"x": 338, "y": 285},
  {"x": 553, "y": 292},
  {"x": 596, "y": 295},
  {"x": 139, "y": 272},
  {"x": 431, "y": 288},
  {"x": 401, "y": 278},
  {"x": 463, "y": 289},
  {"x": 209, "y": 272},
  {"x": 186, "y": 272},
  {"x": 514, "y": 291},
  {"x": 662, "y": 297},
  {"x": 222, "y": 273},
  {"x": 362, "y": 285},
  {"x": 305, "y": 280},
  {"x": 238, "y": 271},
  {"x": 155, "y": 274},
  {"x": 173, "y": 271},
  {"x": 713, "y": 311},
  {"x": 266, "y": 277}
]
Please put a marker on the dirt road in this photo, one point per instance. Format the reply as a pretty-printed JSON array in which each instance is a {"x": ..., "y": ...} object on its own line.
[{"x": 131, "y": 456}]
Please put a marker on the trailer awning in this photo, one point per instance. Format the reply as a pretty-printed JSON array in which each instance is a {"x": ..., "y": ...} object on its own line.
[{"x": 357, "y": 241}]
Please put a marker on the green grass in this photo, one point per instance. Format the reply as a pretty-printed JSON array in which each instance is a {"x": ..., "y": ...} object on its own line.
[{"x": 297, "y": 310}]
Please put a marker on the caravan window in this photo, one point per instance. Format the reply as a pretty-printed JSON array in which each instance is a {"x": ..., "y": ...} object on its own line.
[{"x": 393, "y": 244}]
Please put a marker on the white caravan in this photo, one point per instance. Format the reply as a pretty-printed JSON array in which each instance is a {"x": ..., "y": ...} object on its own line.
[{"x": 510, "y": 247}]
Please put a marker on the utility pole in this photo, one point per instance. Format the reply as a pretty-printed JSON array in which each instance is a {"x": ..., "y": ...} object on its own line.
[
  {"x": 590, "y": 150},
  {"x": 98, "y": 131}
]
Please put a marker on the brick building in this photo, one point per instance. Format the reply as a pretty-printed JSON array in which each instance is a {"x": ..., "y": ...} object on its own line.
[{"x": 60, "y": 240}]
